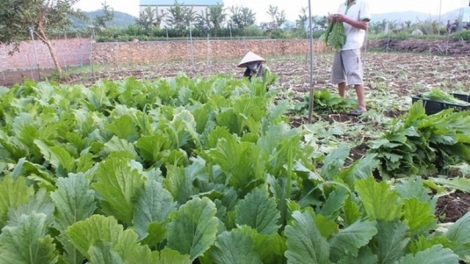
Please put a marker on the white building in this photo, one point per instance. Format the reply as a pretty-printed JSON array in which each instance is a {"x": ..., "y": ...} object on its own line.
[{"x": 157, "y": 6}]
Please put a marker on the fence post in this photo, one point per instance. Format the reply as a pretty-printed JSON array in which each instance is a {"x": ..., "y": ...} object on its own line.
[{"x": 35, "y": 52}]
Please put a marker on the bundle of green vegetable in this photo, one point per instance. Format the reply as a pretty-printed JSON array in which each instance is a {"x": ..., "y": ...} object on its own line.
[
  {"x": 441, "y": 96},
  {"x": 334, "y": 36}
]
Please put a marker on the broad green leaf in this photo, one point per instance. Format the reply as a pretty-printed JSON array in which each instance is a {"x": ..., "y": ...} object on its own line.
[
  {"x": 270, "y": 248},
  {"x": 12, "y": 194},
  {"x": 104, "y": 254},
  {"x": 412, "y": 187},
  {"x": 334, "y": 162},
  {"x": 179, "y": 184},
  {"x": 153, "y": 204},
  {"x": 122, "y": 146},
  {"x": 74, "y": 200},
  {"x": 424, "y": 242},
  {"x": 391, "y": 241},
  {"x": 155, "y": 233},
  {"x": 118, "y": 184},
  {"x": 349, "y": 240},
  {"x": 304, "y": 241},
  {"x": 40, "y": 203},
  {"x": 351, "y": 211},
  {"x": 57, "y": 156},
  {"x": 123, "y": 127},
  {"x": 418, "y": 215},
  {"x": 194, "y": 227},
  {"x": 435, "y": 255},
  {"x": 459, "y": 233},
  {"x": 326, "y": 226},
  {"x": 365, "y": 256},
  {"x": 234, "y": 247},
  {"x": 27, "y": 242},
  {"x": 258, "y": 211},
  {"x": 379, "y": 201},
  {"x": 334, "y": 202},
  {"x": 462, "y": 184},
  {"x": 93, "y": 231},
  {"x": 169, "y": 256}
]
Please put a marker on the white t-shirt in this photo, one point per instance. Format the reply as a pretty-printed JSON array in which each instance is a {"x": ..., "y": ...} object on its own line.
[{"x": 359, "y": 10}]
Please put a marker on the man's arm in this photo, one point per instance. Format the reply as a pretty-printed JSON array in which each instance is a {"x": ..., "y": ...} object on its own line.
[{"x": 363, "y": 24}]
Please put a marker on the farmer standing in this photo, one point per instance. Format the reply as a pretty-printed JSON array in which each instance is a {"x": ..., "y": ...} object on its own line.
[{"x": 347, "y": 65}]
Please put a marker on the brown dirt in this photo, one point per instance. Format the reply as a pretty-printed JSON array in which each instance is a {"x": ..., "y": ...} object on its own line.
[{"x": 452, "y": 207}]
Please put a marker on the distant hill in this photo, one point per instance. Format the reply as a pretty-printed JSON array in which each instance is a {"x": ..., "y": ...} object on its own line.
[
  {"x": 415, "y": 17},
  {"x": 120, "y": 19}
]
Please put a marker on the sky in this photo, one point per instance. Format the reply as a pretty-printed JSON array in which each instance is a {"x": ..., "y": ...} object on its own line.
[{"x": 292, "y": 7}]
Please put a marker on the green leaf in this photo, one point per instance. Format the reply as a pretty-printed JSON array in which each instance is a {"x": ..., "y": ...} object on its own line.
[
  {"x": 304, "y": 241},
  {"x": 122, "y": 146},
  {"x": 270, "y": 248},
  {"x": 349, "y": 240},
  {"x": 351, "y": 211},
  {"x": 104, "y": 254},
  {"x": 459, "y": 234},
  {"x": 40, "y": 203},
  {"x": 365, "y": 256},
  {"x": 179, "y": 183},
  {"x": 334, "y": 162},
  {"x": 118, "y": 184},
  {"x": 258, "y": 211},
  {"x": 413, "y": 187},
  {"x": 234, "y": 247},
  {"x": 123, "y": 127},
  {"x": 462, "y": 184},
  {"x": 334, "y": 202},
  {"x": 418, "y": 215},
  {"x": 435, "y": 255},
  {"x": 379, "y": 201},
  {"x": 58, "y": 156},
  {"x": 169, "y": 256},
  {"x": 12, "y": 194},
  {"x": 74, "y": 200},
  {"x": 27, "y": 242},
  {"x": 194, "y": 227},
  {"x": 154, "y": 204},
  {"x": 391, "y": 241}
]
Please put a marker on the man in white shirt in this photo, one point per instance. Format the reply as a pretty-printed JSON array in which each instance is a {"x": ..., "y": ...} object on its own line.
[{"x": 347, "y": 65}]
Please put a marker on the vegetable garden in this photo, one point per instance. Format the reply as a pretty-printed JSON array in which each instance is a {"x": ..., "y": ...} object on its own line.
[{"x": 177, "y": 166}]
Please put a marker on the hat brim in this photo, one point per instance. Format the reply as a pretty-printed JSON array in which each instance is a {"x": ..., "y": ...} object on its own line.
[{"x": 249, "y": 58}]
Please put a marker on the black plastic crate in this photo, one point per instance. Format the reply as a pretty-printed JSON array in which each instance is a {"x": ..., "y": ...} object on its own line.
[{"x": 432, "y": 107}]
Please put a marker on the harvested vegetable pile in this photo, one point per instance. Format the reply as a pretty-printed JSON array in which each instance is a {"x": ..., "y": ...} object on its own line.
[
  {"x": 334, "y": 36},
  {"x": 441, "y": 96}
]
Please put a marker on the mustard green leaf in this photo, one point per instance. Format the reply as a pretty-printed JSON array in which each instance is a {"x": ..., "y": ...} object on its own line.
[
  {"x": 334, "y": 202},
  {"x": 153, "y": 204},
  {"x": 391, "y": 241},
  {"x": 179, "y": 183},
  {"x": 12, "y": 194},
  {"x": 27, "y": 242},
  {"x": 121, "y": 146},
  {"x": 270, "y": 248},
  {"x": 326, "y": 226},
  {"x": 234, "y": 247},
  {"x": 57, "y": 156},
  {"x": 104, "y": 254},
  {"x": 418, "y": 215},
  {"x": 169, "y": 256},
  {"x": 39, "y": 203},
  {"x": 379, "y": 201},
  {"x": 351, "y": 211},
  {"x": 93, "y": 231},
  {"x": 304, "y": 241},
  {"x": 434, "y": 255},
  {"x": 124, "y": 127},
  {"x": 193, "y": 229},
  {"x": 365, "y": 256},
  {"x": 459, "y": 234},
  {"x": 413, "y": 187},
  {"x": 258, "y": 211},
  {"x": 462, "y": 184},
  {"x": 117, "y": 183},
  {"x": 74, "y": 200},
  {"x": 334, "y": 161},
  {"x": 155, "y": 233},
  {"x": 423, "y": 242},
  {"x": 349, "y": 240}
]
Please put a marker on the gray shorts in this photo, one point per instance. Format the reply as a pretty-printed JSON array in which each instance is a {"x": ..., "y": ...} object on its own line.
[{"x": 347, "y": 67}]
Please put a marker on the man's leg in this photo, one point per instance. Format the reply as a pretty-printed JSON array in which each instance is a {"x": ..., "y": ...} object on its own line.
[
  {"x": 360, "y": 96},
  {"x": 342, "y": 89}
]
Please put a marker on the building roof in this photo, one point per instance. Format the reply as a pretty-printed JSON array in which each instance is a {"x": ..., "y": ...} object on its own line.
[{"x": 183, "y": 2}]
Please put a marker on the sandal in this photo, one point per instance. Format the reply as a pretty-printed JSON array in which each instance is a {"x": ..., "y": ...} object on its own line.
[{"x": 357, "y": 112}]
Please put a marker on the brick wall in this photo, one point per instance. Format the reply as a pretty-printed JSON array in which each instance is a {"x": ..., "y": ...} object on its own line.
[
  {"x": 76, "y": 52},
  {"x": 158, "y": 51},
  {"x": 70, "y": 52}
]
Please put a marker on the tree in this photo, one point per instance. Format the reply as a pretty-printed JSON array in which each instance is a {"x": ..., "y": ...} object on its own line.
[
  {"x": 242, "y": 17},
  {"x": 20, "y": 17},
  {"x": 301, "y": 22},
  {"x": 108, "y": 15},
  {"x": 149, "y": 18},
  {"x": 179, "y": 16},
  {"x": 212, "y": 19},
  {"x": 277, "y": 17}
]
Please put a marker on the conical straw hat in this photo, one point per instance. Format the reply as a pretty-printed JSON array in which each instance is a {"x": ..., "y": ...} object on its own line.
[{"x": 250, "y": 57}]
